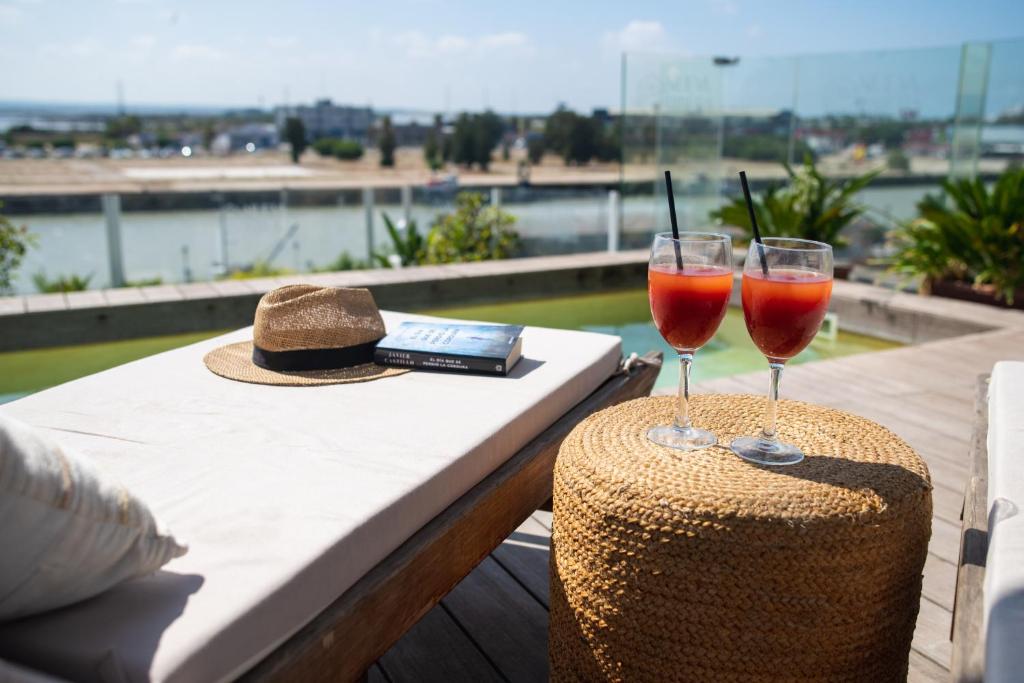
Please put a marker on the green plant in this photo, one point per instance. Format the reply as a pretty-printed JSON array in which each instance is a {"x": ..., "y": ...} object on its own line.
[
  {"x": 387, "y": 143},
  {"x": 410, "y": 247},
  {"x": 344, "y": 261},
  {"x": 295, "y": 134},
  {"x": 968, "y": 233},
  {"x": 344, "y": 149},
  {"x": 432, "y": 150},
  {"x": 535, "y": 149},
  {"x": 259, "y": 268},
  {"x": 810, "y": 206},
  {"x": 474, "y": 138},
  {"x": 61, "y": 283},
  {"x": 15, "y": 241},
  {"x": 473, "y": 232},
  {"x": 144, "y": 282}
]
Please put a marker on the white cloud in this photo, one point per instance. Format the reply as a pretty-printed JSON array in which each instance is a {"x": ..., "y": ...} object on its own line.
[
  {"x": 143, "y": 41},
  {"x": 10, "y": 14},
  {"x": 449, "y": 44},
  {"x": 86, "y": 47},
  {"x": 281, "y": 42},
  {"x": 190, "y": 52},
  {"x": 638, "y": 35},
  {"x": 727, "y": 7},
  {"x": 508, "y": 39}
]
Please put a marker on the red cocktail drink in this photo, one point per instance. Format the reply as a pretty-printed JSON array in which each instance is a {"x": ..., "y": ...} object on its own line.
[
  {"x": 688, "y": 305},
  {"x": 784, "y": 309}
]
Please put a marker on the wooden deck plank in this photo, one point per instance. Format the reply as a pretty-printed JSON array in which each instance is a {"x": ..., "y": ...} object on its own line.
[
  {"x": 524, "y": 555},
  {"x": 924, "y": 670},
  {"x": 504, "y": 621},
  {"x": 436, "y": 649},
  {"x": 939, "y": 581},
  {"x": 931, "y": 637}
]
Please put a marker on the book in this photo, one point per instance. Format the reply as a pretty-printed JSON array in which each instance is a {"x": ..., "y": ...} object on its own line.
[{"x": 452, "y": 347}]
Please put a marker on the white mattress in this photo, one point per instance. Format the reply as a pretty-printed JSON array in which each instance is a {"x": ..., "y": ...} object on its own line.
[
  {"x": 286, "y": 495},
  {"x": 1004, "y": 567}
]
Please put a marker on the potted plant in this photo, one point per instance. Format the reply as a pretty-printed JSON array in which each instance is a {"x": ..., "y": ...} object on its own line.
[
  {"x": 968, "y": 241},
  {"x": 810, "y": 206}
]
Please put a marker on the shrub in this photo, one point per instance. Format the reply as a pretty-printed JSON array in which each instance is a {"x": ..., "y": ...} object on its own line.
[
  {"x": 898, "y": 161},
  {"x": 410, "y": 247},
  {"x": 968, "y": 234},
  {"x": 473, "y": 232},
  {"x": 810, "y": 206},
  {"x": 259, "y": 268},
  {"x": 344, "y": 261},
  {"x": 343, "y": 149},
  {"x": 535, "y": 149},
  {"x": 14, "y": 243},
  {"x": 61, "y": 283}
]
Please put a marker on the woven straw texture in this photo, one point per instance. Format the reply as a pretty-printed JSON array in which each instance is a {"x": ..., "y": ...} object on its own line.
[
  {"x": 699, "y": 566},
  {"x": 302, "y": 317}
]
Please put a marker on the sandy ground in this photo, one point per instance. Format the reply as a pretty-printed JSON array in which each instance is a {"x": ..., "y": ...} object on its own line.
[{"x": 273, "y": 170}]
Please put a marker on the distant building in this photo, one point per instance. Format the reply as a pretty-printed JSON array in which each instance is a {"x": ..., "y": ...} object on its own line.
[
  {"x": 328, "y": 120},
  {"x": 248, "y": 137}
]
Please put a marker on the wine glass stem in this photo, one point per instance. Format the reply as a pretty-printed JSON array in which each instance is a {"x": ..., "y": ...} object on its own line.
[
  {"x": 768, "y": 432},
  {"x": 683, "y": 411}
]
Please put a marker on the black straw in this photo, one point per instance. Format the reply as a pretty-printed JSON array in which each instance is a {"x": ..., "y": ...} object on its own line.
[
  {"x": 672, "y": 215},
  {"x": 753, "y": 222}
]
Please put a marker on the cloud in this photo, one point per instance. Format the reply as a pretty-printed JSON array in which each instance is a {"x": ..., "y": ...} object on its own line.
[
  {"x": 86, "y": 47},
  {"x": 638, "y": 35},
  {"x": 450, "y": 44},
  {"x": 281, "y": 42},
  {"x": 420, "y": 45},
  {"x": 508, "y": 39},
  {"x": 143, "y": 41},
  {"x": 10, "y": 14},
  {"x": 726, "y": 7},
  {"x": 191, "y": 52}
]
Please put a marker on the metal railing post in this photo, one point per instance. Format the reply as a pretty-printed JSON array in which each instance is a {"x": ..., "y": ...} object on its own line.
[
  {"x": 613, "y": 220},
  {"x": 112, "y": 213},
  {"x": 407, "y": 203},
  {"x": 496, "y": 197},
  {"x": 368, "y": 206}
]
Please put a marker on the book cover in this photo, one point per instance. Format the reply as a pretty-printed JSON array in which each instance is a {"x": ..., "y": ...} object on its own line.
[{"x": 453, "y": 347}]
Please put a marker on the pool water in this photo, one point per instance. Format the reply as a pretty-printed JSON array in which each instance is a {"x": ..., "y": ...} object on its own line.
[
  {"x": 628, "y": 314},
  {"x": 625, "y": 313}
]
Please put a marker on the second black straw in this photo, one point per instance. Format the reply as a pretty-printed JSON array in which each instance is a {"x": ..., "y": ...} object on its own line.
[
  {"x": 753, "y": 222},
  {"x": 672, "y": 216}
]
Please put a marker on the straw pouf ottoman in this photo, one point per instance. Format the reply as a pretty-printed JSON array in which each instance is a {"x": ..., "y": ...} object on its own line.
[{"x": 699, "y": 566}]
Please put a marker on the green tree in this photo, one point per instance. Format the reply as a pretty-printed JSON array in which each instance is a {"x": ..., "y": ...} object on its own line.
[
  {"x": 473, "y": 232},
  {"x": 410, "y": 247},
  {"x": 387, "y": 143},
  {"x": 14, "y": 243},
  {"x": 487, "y": 132},
  {"x": 432, "y": 152},
  {"x": 535, "y": 148},
  {"x": 295, "y": 134},
  {"x": 558, "y": 130},
  {"x": 120, "y": 127}
]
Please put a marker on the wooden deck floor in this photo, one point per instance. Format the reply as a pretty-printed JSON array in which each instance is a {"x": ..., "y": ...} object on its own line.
[{"x": 493, "y": 625}]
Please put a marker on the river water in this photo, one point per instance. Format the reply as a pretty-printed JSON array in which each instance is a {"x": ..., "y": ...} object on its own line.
[{"x": 194, "y": 245}]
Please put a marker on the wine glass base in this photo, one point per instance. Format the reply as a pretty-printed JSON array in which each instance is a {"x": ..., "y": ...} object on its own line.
[
  {"x": 681, "y": 438},
  {"x": 765, "y": 452}
]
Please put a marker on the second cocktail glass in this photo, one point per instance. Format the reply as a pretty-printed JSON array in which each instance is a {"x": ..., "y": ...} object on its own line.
[
  {"x": 689, "y": 281},
  {"x": 787, "y": 284}
]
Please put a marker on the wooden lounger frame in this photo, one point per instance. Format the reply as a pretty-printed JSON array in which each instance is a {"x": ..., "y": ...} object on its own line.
[
  {"x": 968, "y": 659},
  {"x": 344, "y": 640}
]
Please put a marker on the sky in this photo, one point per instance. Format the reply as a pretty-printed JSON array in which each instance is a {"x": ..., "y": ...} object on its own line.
[{"x": 523, "y": 56}]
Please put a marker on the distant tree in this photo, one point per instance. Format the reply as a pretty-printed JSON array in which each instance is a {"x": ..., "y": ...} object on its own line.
[
  {"x": 295, "y": 134},
  {"x": 557, "y": 130},
  {"x": 432, "y": 152},
  {"x": 14, "y": 243},
  {"x": 535, "y": 148},
  {"x": 120, "y": 127},
  {"x": 475, "y": 137},
  {"x": 209, "y": 134},
  {"x": 609, "y": 144},
  {"x": 387, "y": 143}
]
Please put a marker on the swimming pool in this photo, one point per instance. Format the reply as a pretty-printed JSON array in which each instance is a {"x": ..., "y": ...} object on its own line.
[
  {"x": 625, "y": 313},
  {"x": 628, "y": 314}
]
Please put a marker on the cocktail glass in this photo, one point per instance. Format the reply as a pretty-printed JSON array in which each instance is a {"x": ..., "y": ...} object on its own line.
[
  {"x": 787, "y": 284},
  {"x": 689, "y": 282}
]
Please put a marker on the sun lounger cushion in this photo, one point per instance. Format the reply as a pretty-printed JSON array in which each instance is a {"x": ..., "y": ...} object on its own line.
[
  {"x": 67, "y": 531},
  {"x": 1004, "y": 573},
  {"x": 287, "y": 495}
]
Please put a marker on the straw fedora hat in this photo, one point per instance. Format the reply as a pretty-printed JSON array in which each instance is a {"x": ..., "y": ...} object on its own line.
[{"x": 305, "y": 335}]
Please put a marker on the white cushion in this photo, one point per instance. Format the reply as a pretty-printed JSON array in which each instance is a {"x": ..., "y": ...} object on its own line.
[
  {"x": 1004, "y": 572},
  {"x": 67, "y": 532},
  {"x": 287, "y": 495}
]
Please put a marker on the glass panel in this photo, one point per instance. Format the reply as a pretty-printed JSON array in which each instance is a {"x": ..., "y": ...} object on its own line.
[{"x": 970, "y": 109}]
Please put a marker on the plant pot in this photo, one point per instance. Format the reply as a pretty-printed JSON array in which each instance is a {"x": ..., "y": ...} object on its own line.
[{"x": 980, "y": 294}]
